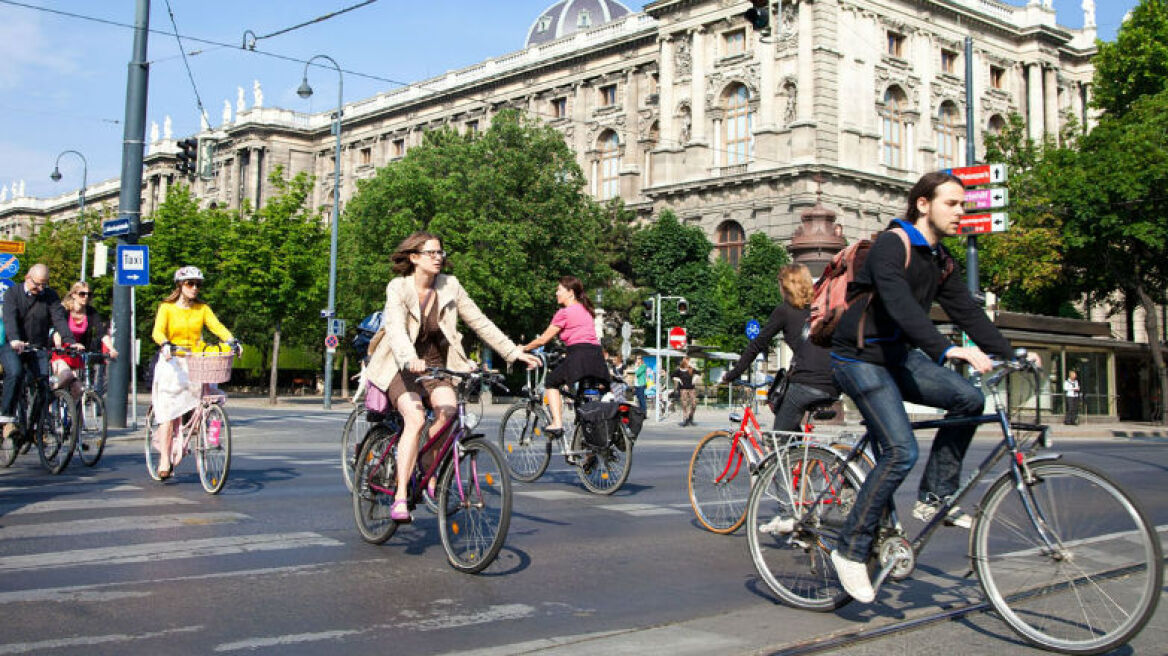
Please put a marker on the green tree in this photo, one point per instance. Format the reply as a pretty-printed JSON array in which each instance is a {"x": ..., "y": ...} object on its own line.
[
  {"x": 1117, "y": 212},
  {"x": 756, "y": 289},
  {"x": 277, "y": 262},
  {"x": 57, "y": 244},
  {"x": 509, "y": 206},
  {"x": 672, "y": 259},
  {"x": 1136, "y": 63}
]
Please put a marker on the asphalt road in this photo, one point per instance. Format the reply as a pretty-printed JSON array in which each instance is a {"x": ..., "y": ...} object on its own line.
[{"x": 106, "y": 561}]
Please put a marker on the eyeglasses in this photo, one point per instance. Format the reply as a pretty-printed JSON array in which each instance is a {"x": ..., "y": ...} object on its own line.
[
  {"x": 82, "y": 294},
  {"x": 39, "y": 284},
  {"x": 441, "y": 255},
  {"x": 192, "y": 283}
]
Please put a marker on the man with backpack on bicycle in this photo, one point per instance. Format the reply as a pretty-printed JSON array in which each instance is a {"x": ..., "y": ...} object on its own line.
[
  {"x": 886, "y": 350},
  {"x": 30, "y": 310}
]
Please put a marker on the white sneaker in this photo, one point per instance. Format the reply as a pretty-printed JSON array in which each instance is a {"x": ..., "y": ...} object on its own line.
[
  {"x": 778, "y": 526},
  {"x": 854, "y": 577},
  {"x": 925, "y": 511},
  {"x": 7, "y": 419}
]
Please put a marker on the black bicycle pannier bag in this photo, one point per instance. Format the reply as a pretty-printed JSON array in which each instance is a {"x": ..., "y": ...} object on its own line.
[{"x": 598, "y": 420}]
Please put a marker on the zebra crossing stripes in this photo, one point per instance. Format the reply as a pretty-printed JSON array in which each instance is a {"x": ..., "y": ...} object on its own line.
[{"x": 117, "y": 524}]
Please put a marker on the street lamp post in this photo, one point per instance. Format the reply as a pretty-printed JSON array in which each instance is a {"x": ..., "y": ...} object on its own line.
[
  {"x": 657, "y": 375},
  {"x": 56, "y": 176},
  {"x": 304, "y": 92}
]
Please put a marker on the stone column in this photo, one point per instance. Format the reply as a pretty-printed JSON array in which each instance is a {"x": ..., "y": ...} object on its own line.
[
  {"x": 1050, "y": 99},
  {"x": 665, "y": 100},
  {"x": 1034, "y": 111},
  {"x": 766, "y": 119},
  {"x": 698, "y": 86},
  {"x": 631, "y": 139},
  {"x": 803, "y": 128}
]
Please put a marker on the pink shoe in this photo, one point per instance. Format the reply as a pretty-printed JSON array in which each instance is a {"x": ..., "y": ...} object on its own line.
[{"x": 400, "y": 512}]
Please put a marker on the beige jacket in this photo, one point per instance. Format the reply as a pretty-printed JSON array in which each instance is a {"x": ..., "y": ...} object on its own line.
[{"x": 401, "y": 321}]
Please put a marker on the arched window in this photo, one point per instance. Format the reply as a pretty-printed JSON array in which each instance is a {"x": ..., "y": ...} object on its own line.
[
  {"x": 996, "y": 124},
  {"x": 730, "y": 239},
  {"x": 948, "y": 144},
  {"x": 609, "y": 147},
  {"x": 895, "y": 102},
  {"x": 737, "y": 126}
]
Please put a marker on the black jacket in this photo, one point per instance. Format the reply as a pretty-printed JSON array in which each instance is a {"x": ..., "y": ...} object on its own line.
[
  {"x": 812, "y": 363},
  {"x": 28, "y": 318},
  {"x": 94, "y": 332},
  {"x": 898, "y": 315}
]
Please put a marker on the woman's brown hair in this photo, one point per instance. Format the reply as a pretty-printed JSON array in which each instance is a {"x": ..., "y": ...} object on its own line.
[
  {"x": 408, "y": 246},
  {"x": 573, "y": 284},
  {"x": 795, "y": 281}
]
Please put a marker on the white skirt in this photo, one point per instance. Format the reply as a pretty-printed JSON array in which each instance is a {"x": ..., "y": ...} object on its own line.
[{"x": 173, "y": 394}]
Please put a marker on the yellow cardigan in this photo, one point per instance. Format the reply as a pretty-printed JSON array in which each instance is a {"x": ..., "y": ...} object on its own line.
[{"x": 184, "y": 326}]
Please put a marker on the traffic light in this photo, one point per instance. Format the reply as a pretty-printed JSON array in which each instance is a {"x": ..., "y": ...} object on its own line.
[
  {"x": 188, "y": 155},
  {"x": 759, "y": 16},
  {"x": 145, "y": 228},
  {"x": 683, "y": 306},
  {"x": 648, "y": 305}
]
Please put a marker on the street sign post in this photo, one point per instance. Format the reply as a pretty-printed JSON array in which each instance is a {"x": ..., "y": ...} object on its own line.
[
  {"x": 14, "y": 247},
  {"x": 9, "y": 265},
  {"x": 987, "y": 199},
  {"x": 753, "y": 328},
  {"x": 677, "y": 338},
  {"x": 115, "y": 227},
  {"x": 133, "y": 265},
  {"x": 980, "y": 224}
]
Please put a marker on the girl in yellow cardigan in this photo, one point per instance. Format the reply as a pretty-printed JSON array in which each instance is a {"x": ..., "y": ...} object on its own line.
[{"x": 179, "y": 323}]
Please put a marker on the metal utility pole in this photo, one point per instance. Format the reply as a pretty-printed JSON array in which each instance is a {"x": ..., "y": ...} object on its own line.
[
  {"x": 971, "y": 272},
  {"x": 129, "y": 208}
]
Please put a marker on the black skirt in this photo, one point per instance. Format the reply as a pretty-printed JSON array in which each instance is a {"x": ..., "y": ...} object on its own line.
[{"x": 582, "y": 361}]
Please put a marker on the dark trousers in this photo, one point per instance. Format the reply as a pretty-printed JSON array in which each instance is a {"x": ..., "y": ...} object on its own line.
[
  {"x": 879, "y": 393},
  {"x": 798, "y": 398},
  {"x": 12, "y": 371},
  {"x": 1072, "y": 414},
  {"x": 639, "y": 391}
]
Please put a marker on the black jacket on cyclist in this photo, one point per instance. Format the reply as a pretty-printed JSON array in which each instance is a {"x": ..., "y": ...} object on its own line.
[
  {"x": 812, "y": 363},
  {"x": 28, "y": 317},
  {"x": 898, "y": 314}
]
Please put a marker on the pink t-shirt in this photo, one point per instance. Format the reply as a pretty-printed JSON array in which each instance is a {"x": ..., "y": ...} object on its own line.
[{"x": 576, "y": 326}]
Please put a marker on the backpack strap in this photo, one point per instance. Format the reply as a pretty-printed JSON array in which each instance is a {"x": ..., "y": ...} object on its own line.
[{"x": 868, "y": 301}]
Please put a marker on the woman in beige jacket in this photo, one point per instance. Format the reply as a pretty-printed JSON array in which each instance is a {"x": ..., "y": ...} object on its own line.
[{"x": 420, "y": 319}]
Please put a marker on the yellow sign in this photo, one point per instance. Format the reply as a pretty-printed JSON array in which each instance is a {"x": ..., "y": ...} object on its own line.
[{"x": 14, "y": 247}]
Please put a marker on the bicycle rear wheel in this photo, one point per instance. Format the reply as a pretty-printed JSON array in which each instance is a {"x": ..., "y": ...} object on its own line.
[
  {"x": 719, "y": 482},
  {"x": 604, "y": 470},
  {"x": 351, "y": 435},
  {"x": 524, "y": 443},
  {"x": 374, "y": 483},
  {"x": 213, "y": 449},
  {"x": 474, "y": 506},
  {"x": 151, "y": 454},
  {"x": 57, "y": 432},
  {"x": 796, "y": 564},
  {"x": 1099, "y": 583},
  {"x": 93, "y": 428}
]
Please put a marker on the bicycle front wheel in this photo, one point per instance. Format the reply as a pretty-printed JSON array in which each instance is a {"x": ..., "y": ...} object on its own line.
[
  {"x": 719, "y": 482},
  {"x": 1070, "y": 561},
  {"x": 474, "y": 506},
  {"x": 93, "y": 428},
  {"x": 374, "y": 484},
  {"x": 604, "y": 470},
  {"x": 351, "y": 435},
  {"x": 524, "y": 443},
  {"x": 151, "y": 454},
  {"x": 812, "y": 486},
  {"x": 57, "y": 433},
  {"x": 213, "y": 450}
]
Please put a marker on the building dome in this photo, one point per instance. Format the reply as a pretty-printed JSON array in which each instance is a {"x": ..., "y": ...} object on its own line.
[{"x": 568, "y": 16}]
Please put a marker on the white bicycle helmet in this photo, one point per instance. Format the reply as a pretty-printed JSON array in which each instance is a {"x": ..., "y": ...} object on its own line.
[{"x": 188, "y": 273}]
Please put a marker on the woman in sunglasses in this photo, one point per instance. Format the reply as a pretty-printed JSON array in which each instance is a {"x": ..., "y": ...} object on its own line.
[
  {"x": 88, "y": 330},
  {"x": 179, "y": 324},
  {"x": 420, "y": 320}
]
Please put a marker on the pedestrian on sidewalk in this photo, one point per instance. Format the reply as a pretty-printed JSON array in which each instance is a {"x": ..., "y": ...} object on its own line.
[
  {"x": 640, "y": 379},
  {"x": 684, "y": 376},
  {"x": 1071, "y": 390}
]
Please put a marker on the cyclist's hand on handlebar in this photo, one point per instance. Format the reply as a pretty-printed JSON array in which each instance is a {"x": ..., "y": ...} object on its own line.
[
  {"x": 1034, "y": 359},
  {"x": 17, "y": 345},
  {"x": 235, "y": 346},
  {"x": 530, "y": 360},
  {"x": 416, "y": 366},
  {"x": 77, "y": 347},
  {"x": 167, "y": 351},
  {"x": 980, "y": 362}
]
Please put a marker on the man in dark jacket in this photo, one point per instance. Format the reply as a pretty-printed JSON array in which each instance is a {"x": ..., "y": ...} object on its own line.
[
  {"x": 30, "y": 310},
  {"x": 886, "y": 351}
]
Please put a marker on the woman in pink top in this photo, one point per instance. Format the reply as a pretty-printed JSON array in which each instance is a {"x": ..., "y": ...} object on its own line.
[{"x": 573, "y": 324}]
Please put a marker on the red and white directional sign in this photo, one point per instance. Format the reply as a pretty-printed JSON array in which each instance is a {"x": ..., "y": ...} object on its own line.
[
  {"x": 987, "y": 199},
  {"x": 978, "y": 224},
  {"x": 980, "y": 175},
  {"x": 677, "y": 337}
]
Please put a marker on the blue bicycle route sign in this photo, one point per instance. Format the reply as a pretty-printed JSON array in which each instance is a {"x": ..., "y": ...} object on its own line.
[
  {"x": 753, "y": 328},
  {"x": 9, "y": 265}
]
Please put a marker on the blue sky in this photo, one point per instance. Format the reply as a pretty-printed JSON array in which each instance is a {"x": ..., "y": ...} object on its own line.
[{"x": 63, "y": 79}]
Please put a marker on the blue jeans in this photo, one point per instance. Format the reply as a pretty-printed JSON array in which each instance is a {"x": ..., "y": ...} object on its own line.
[
  {"x": 799, "y": 397},
  {"x": 879, "y": 392},
  {"x": 639, "y": 391},
  {"x": 12, "y": 369}
]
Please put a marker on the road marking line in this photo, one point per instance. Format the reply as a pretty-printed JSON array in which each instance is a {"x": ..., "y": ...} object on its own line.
[
  {"x": 61, "y": 643},
  {"x": 58, "y": 505},
  {"x": 160, "y": 551},
  {"x": 640, "y": 509},
  {"x": 115, "y": 524},
  {"x": 551, "y": 495}
]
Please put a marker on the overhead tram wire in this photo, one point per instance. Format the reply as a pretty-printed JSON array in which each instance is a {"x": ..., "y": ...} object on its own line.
[
  {"x": 186, "y": 64},
  {"x": 318, "y": 19}
]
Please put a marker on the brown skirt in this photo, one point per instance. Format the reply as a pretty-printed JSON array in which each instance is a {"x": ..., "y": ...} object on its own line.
[{"x": 405, "y": 382}]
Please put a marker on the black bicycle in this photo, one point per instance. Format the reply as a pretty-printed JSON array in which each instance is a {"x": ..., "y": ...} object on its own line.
[{"x": 45, "y": 417}]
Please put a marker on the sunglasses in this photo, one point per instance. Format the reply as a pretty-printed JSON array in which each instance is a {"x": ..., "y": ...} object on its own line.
[
  {"x": 81, "y": 293},
  {"x": 192, "y": 283}
]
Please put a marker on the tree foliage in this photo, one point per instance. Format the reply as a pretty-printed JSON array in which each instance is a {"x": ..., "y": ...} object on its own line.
[
  {"x": 510, "y": 207},
  {"x": 57, "y": 245},
  {"x": 1135, "y": 65}
]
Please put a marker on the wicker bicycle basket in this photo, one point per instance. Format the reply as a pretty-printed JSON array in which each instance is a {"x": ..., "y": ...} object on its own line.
[{"x": 210, "y": 367}]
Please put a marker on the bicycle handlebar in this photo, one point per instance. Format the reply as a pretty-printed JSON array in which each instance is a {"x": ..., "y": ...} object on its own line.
[{"x": 493, "y": 379}]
